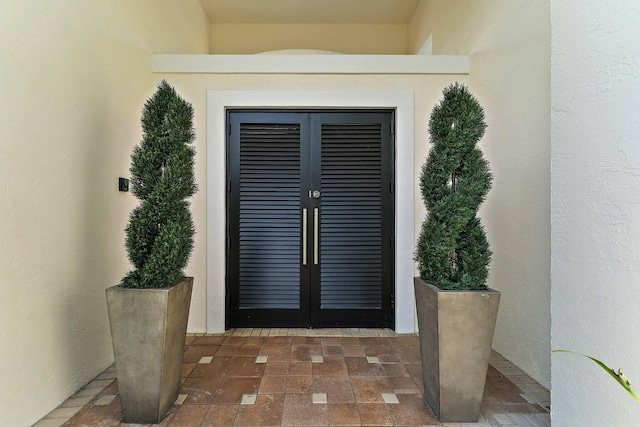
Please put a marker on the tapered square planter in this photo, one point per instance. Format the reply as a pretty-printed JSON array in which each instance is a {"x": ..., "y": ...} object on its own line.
[
  {"x": 455, "y": 333},
  {"x": 148, "y": 331}
]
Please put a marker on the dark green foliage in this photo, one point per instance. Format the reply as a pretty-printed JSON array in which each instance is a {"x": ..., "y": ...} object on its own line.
[
  {"x": 452, "y": 250},
  {"x": 160, "y": 231}
]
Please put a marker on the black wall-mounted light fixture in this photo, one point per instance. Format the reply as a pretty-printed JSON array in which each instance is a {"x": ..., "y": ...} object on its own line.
[{"x": 123, "y": 184}]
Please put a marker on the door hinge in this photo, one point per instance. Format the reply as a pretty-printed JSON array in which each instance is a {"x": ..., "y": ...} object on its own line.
[{"x": 392, "y": 301}]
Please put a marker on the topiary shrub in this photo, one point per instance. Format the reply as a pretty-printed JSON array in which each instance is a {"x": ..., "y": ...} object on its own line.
[
  {"x": 159, "y": 236},
  {"x": 452, "y": 251}
]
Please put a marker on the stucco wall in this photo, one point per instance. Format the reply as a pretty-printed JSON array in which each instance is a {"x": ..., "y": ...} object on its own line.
[
  {"x": 73, "y": 79},
  {"x": 344, "y": 38},
  {"x": 595, "y": 213},
  {"x": 509, "y": 46}
]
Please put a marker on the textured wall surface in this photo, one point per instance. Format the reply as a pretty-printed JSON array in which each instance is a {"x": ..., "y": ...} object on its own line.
[
  {"x": 595, "y": 209},
  {"x": 73, "y": 79},
  {"x": 509, "y": 45}
]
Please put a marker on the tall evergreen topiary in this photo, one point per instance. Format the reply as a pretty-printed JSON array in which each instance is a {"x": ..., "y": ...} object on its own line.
[
  {"x": 159, "y": 236},
  {"x": 452, "y": 249}
]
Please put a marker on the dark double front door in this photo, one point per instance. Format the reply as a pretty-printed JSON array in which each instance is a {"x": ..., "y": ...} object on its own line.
[{"x": 310, "y": 218}]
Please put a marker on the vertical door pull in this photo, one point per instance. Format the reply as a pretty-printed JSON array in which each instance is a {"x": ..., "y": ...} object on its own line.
[
  {"x": 304, "y": 236},
  {"x": 316, "y": 221}
]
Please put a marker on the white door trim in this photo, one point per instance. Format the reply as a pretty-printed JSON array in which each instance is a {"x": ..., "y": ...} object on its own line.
[{"x": 217, "y": 103}]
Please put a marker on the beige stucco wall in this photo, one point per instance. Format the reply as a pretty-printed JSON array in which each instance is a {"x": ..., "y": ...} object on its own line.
[
  {"x": 595, "y": 216},
  {"x": 73, "y": 80},
  {"x": 509, "y": 45},
  {"x": 344, "y": 38}
]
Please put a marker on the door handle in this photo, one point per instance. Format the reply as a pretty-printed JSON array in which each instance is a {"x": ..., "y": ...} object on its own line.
[
  {"x": 316, "y": 226},
  {"x": 304, "y": 236}
]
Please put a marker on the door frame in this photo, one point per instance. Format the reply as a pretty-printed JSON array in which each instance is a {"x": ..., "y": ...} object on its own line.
[
  {"x": 310, "y": 125},
  {"x": 217, "y": 103}
]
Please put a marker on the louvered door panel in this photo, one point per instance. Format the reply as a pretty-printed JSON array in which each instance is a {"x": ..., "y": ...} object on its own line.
[
  {"x": 310, "y": 218},
  {"x": 269, "y": 216},
  {"x": 351, "y": 227}
]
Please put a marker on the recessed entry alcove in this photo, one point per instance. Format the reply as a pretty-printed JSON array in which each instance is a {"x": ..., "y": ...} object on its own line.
[{"x": 400, "y": 102}]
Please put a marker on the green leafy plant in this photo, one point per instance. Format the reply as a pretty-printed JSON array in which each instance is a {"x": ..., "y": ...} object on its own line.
[
  {"x": 452, "y": 251},
  {"x": 159, "y": 236},
  {"x": 618, "y": 376}
]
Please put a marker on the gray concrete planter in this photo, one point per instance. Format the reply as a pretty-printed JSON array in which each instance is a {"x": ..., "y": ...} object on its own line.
[
  {"x": 148, "y": 331},
  {"x": 456, "y": 331}
]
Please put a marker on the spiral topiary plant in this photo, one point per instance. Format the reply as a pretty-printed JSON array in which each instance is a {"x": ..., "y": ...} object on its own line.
[
  {"x": 159, "y": 236},
  {"x": 452, "y": 251}
]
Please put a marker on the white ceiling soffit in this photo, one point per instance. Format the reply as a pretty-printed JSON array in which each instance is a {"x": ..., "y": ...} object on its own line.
[{"x": 309, "y": 11}]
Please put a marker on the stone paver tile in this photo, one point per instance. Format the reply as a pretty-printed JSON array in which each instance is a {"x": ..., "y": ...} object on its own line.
[
  {"x": 219, "y": 415},
  {"x": 248, "y": 399},
  {"x": 188, "y": 415},
  {"x": 332, "y": 350},
  {"x": 369, "y": 390},
  {"x": 277, "y": 368},
  {"x": 299, "y": 384},
  {"x": 201, "y": 391},
  {"x": 374, "y": 414},
  {"x": 331, "y": 365},
  {"x": 390, "y": 398},
  {"x": 412, "y": 410},
  {"x": 300, "y": 411},
  {"x": 319, "y": 398},
  {"x": 62, "y": 412},
  {"x": 300, "y": 368},
  {"x": 338, "y": 389},
  {"x": 344, "y": 414},
  {"x": 362, "y": 367},
  {"x": 232, "y": 389},
  {"x": 245, "y": 366},
  {"x": 272, "y": 385},
  {"x": 75, "y": 402},
  {"x": 265, "y": 412}
]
